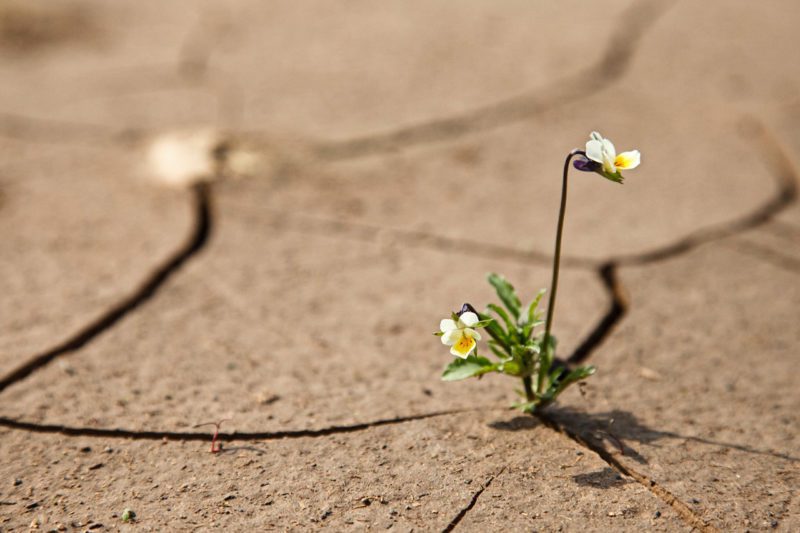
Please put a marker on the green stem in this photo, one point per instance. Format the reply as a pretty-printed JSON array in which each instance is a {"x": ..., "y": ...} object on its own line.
[
  {"x": 527, "y": 382},
  {"x": 551, "y": 305}
]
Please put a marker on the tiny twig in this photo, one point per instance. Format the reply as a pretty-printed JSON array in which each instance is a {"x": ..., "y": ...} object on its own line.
[{"x": 214, "y": 447}]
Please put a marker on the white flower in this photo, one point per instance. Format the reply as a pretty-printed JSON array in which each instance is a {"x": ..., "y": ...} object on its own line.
[
  {"x": 459, "y": 335},
  {"x": 602, "y": 151}
]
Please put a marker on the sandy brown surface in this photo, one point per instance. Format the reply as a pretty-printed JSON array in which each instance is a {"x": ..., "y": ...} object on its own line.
[{"x": 399, "y": 154}]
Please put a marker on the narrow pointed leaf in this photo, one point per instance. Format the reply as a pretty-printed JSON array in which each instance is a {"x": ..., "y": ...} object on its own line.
[
  {"x": 498, "y": 350},
  {"x": 532, "y": 314},
  {"x": 502, "y": 314},
  {"x": 495, "y": 331},
  {"x": 576, "y": 375},
  {"x": 506, "y": 293}
]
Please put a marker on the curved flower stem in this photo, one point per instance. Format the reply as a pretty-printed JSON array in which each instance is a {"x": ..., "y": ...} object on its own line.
[{"x": 556, "y": 265}]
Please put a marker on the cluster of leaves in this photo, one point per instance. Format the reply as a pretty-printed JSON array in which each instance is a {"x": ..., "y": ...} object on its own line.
[{"x": 519, "y": 350}]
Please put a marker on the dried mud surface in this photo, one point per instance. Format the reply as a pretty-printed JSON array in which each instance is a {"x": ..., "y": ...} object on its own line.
[{"x": 403, "y": 152}]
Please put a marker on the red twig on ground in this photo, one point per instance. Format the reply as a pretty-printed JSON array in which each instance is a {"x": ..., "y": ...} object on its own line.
[{"x": 214, "y": 447}]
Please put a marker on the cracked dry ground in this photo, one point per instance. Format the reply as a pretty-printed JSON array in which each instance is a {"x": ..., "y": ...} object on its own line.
[{"x": 405, "y": 150}]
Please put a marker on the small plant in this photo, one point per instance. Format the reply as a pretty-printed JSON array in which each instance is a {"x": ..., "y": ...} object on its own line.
[
  {"x": 520, "y": 350},
  {"x": 215, "y": 448}
]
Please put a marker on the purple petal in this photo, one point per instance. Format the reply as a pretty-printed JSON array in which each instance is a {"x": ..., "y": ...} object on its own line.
[
  {"x": 467, "y": 308},
  {"x": 585, "y": 164}
]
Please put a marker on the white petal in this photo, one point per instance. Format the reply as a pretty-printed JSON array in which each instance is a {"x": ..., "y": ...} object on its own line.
[
  {"x": 472, "y": 333},
  {"x": 608, "y": 148},
  {"x": 628, "y": 160},
  {"x": 595, "y": 136},
  {"x": 594, "y": 151},
  {"x": 447, "y": 324},
  {"x": 452, "y": 336},
  {"x": 469, "y": 319}
]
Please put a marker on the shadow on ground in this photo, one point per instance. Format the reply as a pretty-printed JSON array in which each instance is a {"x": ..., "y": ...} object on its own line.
[{"x": 619, "y": 428}]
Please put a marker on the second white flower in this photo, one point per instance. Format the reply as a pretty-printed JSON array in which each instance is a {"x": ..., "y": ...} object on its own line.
[{"x": 459, "y": 335}]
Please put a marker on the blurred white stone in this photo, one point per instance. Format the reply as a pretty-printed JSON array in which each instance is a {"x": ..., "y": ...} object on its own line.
[
  {"x": 180, "y": 159},
  {"x": 183, "y": 158}
]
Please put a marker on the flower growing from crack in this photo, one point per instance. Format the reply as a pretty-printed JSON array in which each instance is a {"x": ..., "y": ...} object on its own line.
[
  {"x": 602, "y": 157},
  {"x": 458, "y": 333},
  {"x": 519, "y": 350}
]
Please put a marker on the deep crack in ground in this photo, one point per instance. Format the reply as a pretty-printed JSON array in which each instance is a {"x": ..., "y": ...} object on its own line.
[
  {"x": 587, "y": 441},
  {"x": 120, "y": 433},
  {"x": 147, "y": 289},
  {"x": 463, "y": 512}
]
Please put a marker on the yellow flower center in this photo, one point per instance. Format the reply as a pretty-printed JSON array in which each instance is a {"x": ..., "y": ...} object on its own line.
[
  {"x": 464, "y": 344},
  {"x": 622, "y": 161}
]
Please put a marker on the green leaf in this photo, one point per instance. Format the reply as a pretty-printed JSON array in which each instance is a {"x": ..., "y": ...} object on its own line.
[
  {"x": 482, "y": 323},
  {"x": 467, "y": 368},
  {"x": 546, "y": 356},
  {"x": 582, "y": 372},
  {"x": 498, "y": 349},
  {"x": 510, "y": 368},
  {"x": 495, "y": 331},
  {"x": 532, "y": 315},
  {"x": 502, "y": 314},
  {"x": 547, "y": 353},
  {"x": 505, "y": 291},
  {"x": 525, "y": 407},
  {"x": 616, "y": 177},
  {"x": 533, "y": 348}
]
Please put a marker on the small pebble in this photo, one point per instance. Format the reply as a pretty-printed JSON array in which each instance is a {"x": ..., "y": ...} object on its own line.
[
  {"x": 695, "y": 501},
  {"x": 86, "y": 449},
  {"x": 657, "y": 514},
  {"x": 17, "y": 482}
]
